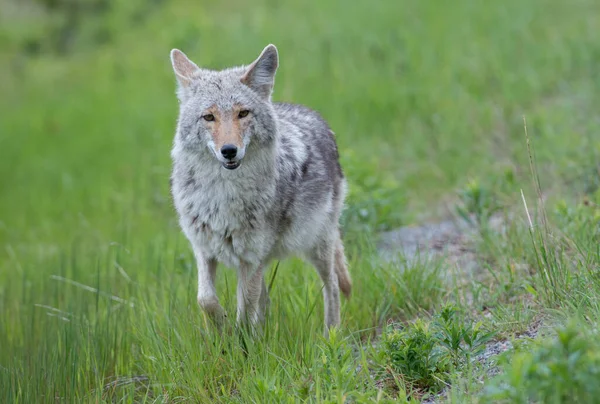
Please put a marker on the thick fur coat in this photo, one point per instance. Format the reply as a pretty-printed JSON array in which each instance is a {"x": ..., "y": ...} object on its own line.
[{"x": 254, "y": 181}]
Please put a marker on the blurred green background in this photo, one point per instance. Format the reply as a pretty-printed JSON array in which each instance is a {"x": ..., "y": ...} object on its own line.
[{"x": 423, "y": 96}]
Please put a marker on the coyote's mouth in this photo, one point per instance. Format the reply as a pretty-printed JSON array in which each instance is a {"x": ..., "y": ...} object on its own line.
[{"x": 231, "y": 165}]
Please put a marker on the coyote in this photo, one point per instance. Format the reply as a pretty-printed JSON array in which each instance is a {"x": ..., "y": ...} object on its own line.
[{"x": 255, "y": 181}]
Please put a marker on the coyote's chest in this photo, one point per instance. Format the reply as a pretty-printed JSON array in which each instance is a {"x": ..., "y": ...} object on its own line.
[{"x": 227, "y": 224}]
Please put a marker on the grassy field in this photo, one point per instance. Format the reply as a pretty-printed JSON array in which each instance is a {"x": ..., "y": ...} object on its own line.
[{"x": 428, "y": 100}]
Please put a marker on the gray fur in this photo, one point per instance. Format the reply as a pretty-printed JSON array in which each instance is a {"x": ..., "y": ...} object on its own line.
[{"x": 284, "y": 199}]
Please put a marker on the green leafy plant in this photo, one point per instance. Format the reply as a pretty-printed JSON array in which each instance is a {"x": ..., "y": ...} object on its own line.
[
  {"x": 425, "y": 353},
  {"x": 337, "y": 364},
  {"x": 581, "y": 220},
  {"x": 416, "y": 354},
  {"x": 462, "y": 340},
  {"x": 565, "y": 369},
  {"x": 477, "y": 204},
  {"x": 375, "y": 199}
]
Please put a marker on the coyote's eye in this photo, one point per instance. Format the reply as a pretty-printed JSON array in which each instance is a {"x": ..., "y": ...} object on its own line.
[
  {"x": 208, "y": 117},
  {"x": 243, "y": 113}
]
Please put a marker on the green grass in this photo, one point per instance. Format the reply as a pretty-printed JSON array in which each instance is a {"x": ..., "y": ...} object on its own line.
[
  {"x": 424, "y": 355},
  {"x": 427, "y": 98},
  {"x": 564, "y": 369}
]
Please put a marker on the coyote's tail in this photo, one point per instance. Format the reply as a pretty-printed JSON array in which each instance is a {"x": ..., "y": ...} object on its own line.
[{"x": 341, "y": 269}]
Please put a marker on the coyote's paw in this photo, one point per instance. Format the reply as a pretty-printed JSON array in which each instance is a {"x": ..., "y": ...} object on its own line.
[{"x": 214, "y": 310}]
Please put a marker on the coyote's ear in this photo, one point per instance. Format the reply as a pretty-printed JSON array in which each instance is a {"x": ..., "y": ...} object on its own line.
[
  {"x": 183, "y": 67},
  {"x": 260, "y": 75}
]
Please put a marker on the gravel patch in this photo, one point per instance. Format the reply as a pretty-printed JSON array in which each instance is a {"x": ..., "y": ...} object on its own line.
[{"x": 454, "y": 241}]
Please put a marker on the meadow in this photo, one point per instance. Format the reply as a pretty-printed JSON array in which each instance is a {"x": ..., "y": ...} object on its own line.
[{"x": 428, "y": 100}]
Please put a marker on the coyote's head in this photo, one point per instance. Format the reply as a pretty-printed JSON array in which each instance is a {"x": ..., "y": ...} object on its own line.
[{"x": 226, "y": 110}]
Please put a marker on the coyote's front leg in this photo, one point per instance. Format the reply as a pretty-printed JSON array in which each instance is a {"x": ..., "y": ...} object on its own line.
[
  {"x": 252, "y": 296},
  {"x": 207, "y": 294}
]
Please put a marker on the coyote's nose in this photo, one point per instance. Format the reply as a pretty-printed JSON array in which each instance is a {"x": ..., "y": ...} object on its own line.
[{"x": 229, "y": 151}]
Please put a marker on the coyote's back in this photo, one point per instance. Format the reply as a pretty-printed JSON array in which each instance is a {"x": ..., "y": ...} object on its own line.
[{"x": 254, "y": 181}]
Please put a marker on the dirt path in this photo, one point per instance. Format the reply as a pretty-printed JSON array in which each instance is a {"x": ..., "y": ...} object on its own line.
[{"x": 455, "y": 243}]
